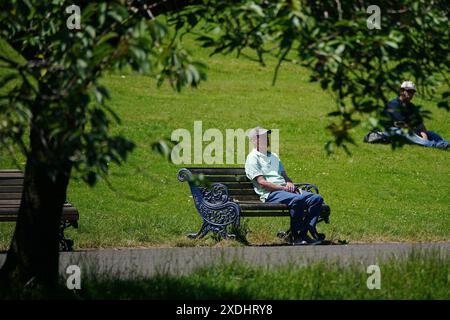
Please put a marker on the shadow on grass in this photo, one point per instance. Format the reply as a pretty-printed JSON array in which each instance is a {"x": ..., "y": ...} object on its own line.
[
  {"x": 417, "y": 275},
  {"x": 159, "y": 287},
  {"x": 287, "y": 244},
  {"x": 165, "y": 288}
]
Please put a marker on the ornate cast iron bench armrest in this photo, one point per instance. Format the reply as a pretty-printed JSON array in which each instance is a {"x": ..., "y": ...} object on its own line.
[
  {"x": 214, "y": 206},
  {"x": 307, "y": 187}
]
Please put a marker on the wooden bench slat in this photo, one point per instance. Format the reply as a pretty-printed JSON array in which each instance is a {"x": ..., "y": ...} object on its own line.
[
  {"x": 8, "y": 218},
  {"x": 218, "y": 171},
  {"x": 10, "y": 182},
  {"x": 6, "y": 203},
  {"x": 262, "y": 206},
  {"x": 264, "y": 214},
  {"x": 225, "y": 179},
  {"x": 244, "y": 186},
  {"x": 238, "y": 192},
  {"x": 13, "y": 218},
  {"x": 239, "y": 186},
  {"x": 250, "y": 201},
  {"x": 10, "y": 195},
  {"x": 10, "y": 175},
  {"x": 66, "y": 217},
  {"x": 9, "y": 205},
  {"x": 15, "y": 209},
  {"x": 11, "y": 214},
  {"x": 245, "y": 197},
  {"x": 11, "y": 189}
]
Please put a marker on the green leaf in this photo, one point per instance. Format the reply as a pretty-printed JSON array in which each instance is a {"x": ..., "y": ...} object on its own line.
[
  {"x": 255, "y": 9},
  {"x": 340, "y": 49},
  {"x": 106, "y": 37},
  {"x": 391, "y": 44},
  {"x": 90, "y": 30},
  {"x": 8, "y": 78},
  {"x": 116, "y": 16}
]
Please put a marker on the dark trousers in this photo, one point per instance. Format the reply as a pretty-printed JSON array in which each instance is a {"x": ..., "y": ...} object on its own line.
[{"x": 297, "y": 203}]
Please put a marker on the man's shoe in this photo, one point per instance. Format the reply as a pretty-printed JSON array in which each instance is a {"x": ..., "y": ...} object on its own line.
[
  {"x": 306, "y": 241},
  {"x": 316, "y": 235},
  {"x": 444, "y": 145}
]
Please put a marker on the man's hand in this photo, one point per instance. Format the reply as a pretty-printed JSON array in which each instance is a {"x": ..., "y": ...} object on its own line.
[
  {"x": 290, "y": 187},
  {"x": 424, "y": 135},
  {"x": 423, "y": 131}
]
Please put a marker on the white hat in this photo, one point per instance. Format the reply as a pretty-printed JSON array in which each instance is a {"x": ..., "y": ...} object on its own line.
[
  {"x": 258, "y": 131},
  {"x": 408, "y": 85}
]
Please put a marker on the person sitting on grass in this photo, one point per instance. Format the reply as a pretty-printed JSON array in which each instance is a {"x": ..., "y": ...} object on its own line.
[
  {"x": 272, "y": 184},
  {"x": 405, "y": 121}
]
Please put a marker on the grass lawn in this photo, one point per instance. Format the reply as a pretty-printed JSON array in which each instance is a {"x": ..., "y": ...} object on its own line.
[{"x": 375, "y": 195}]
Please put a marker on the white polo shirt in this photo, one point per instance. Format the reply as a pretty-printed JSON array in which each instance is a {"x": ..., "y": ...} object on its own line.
[{"x": 269, "y": 166}]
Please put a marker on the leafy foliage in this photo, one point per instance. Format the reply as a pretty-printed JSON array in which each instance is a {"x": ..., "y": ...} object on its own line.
[{"x": 56, "y": 90}]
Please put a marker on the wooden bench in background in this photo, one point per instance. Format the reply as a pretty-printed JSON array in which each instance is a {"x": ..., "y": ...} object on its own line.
[
  {"x": 11, "y": 185},
  {"x": 229, "y": 195}
]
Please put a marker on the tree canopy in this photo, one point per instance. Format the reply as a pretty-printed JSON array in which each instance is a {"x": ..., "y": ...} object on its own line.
[{"x": 58, "y": 91}]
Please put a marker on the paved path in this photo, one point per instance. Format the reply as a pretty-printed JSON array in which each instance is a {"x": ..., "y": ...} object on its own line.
[{"x": 146, "y": 262}]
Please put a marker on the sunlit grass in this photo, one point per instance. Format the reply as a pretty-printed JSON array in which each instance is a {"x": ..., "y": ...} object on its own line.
[{"x": 375, "y": 195}]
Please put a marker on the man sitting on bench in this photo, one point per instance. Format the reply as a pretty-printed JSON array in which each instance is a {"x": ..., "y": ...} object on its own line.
[{"x": 271, "y": 182}]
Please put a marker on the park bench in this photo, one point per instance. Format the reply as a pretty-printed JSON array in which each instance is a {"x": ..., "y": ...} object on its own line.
[
  {"x": 11, "y": 185},
  {"x": 223, "y": 195}
]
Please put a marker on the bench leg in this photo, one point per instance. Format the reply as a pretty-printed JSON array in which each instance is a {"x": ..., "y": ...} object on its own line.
[
  {"x": 65, "y": 244},
  {"x": 206, "y": 227},
  {"x": 201, "y": 233},
  {"x": 223, "y": 233}
]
